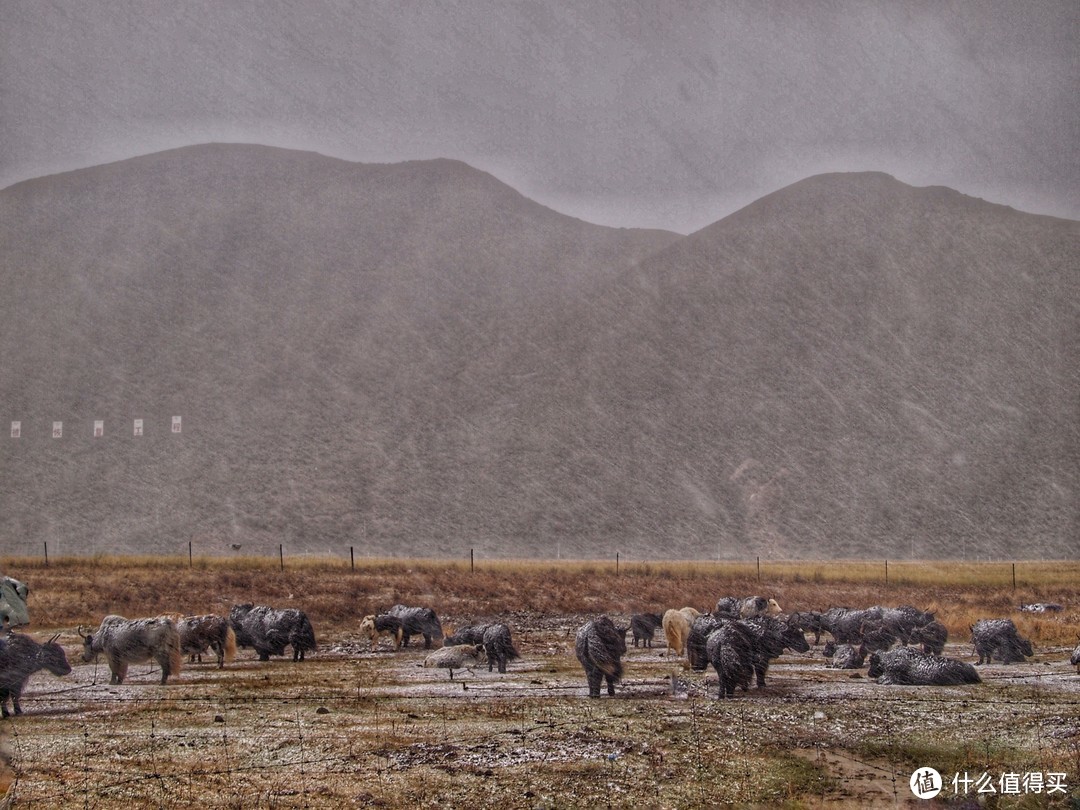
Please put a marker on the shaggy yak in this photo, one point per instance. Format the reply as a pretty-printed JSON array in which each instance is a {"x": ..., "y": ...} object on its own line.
[
  {"x": 133, "y": 641},
  {"x": 730, "y": 650},
  {"x": 676, "y": 624},
  {"x": 21, "y": 657},
  {"x": 599, "y": 646},
  {"x": 997, "y": 638},
  {"x": 931, "y": 636},
  {"x": 1075, "y": 660},
  {"x": 270, "y": 630},
  {"x": 383, "y": 625},
  {"x": 844, "y": 656},
  {"x": 418, "y": 621},
  {"x": 906, "y": 665},
  {"x": 209, "y": 632},
  {"x": 643, "y": 626},
  {"x": 494, "y": 638}
]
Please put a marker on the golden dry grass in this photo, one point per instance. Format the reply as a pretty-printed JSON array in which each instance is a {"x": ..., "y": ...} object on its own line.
[{"x": 72, "y": 590}]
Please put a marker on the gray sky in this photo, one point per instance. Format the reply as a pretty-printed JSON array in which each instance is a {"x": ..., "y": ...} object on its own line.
[{"x": 665, "y": 114}]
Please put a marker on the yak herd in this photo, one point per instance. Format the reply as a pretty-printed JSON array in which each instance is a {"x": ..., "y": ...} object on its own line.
[{"x": 739, "y": 639}]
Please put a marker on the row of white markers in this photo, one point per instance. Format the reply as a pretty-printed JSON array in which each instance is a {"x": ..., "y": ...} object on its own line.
[{"x": 99, "y": 428}]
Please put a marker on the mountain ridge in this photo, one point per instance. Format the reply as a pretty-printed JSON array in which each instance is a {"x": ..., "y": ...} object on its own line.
[{"x": 413, "y": 357}]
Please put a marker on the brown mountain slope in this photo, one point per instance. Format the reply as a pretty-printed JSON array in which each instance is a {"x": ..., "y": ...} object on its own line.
[
  {"x": 312, "y": 320},
  {"x": 414, "y": 359},
  {"x": 849, "y": 366}
]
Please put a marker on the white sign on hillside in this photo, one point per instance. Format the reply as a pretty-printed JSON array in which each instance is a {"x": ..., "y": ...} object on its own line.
[
  {"x": 176, "y": 424},
  {"x": 57, "y": 430},
  {"x": 99, "y": 428},
  {"x": 16, "y": 430},
  {"x": 138, "y": 427}
]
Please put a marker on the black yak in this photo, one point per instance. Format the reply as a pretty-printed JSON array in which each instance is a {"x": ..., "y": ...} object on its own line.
[
  {"x": 908, "y": 666},
  {"x": 700, "y": 629},
  {"x": 998, "y": 639},
  {"x": 21, "y": 657},
  {"x": 418, "y": 621},
  {"x": 494, "y": 638},
  {"x": 599, "y": 647},
  {"x": 643, "y": 626},
  {"x": 730, "y": 650},
  {"x": 931, "y": 636},
  {"x": 269, "y": 630},
  {"x": 133, "y": 641},
  {"x": 770, "y": 638}
]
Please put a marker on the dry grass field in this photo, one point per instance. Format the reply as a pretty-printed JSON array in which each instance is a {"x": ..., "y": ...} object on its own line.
[{"x": 352, "y": 727}]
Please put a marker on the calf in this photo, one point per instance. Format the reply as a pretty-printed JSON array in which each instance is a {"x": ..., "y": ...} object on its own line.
[
  {"x": 383, "y": 625},
  {"x": 209, "y": 632},
  {"x": 21, "y": 657},
  {"x": 643, "y": 626},
  {"x": 844, "y": 656},
  {"x": 462, "y": 656}
]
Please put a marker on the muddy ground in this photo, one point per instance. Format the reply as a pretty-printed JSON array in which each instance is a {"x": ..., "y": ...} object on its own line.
[{"x": 354, "y": 728}]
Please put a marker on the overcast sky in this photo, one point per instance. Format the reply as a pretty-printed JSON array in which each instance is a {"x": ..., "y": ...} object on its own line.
[{"x": 665, "y": 114}]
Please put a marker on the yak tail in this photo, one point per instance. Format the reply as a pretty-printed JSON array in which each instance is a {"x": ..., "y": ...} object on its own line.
[{"x": 229, "y": 647}]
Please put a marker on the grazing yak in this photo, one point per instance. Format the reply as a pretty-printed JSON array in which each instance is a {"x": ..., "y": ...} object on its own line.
[
  {"x": 908, "y": 666},
  {"x": 269, "y": 630},
  {"x": 418, "y": 621},
  {"x": 676, "y": 624},
  {"x": 998, "y": 639},
  {"x": 133, "y": 641},
  {"x": 494, "y": 638},
  {"x": 599, "y": 646},
  {"x": 21, "y": 657},
  {"x": 643, "y": 626},
  {"x": 207, "y": 632},
  {"x": 771, "y": 636},
  {"x": 461, "y": 656},
  {"x": 382, "y": 625}
]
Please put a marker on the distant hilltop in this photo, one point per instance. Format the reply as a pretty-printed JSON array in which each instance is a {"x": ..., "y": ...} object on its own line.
[{"x": 414, "y": 359}]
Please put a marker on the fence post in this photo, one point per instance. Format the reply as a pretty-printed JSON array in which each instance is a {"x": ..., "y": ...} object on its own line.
[
  {"x": 352, "y": 559},
  {"x": 472, "y": 562},
  {"x": 281, "y": 555},
  {"x": 759, "y": 569},
  {"x": 886, "y": 572},
  {"x": 1014, "y": 575},
  {"x": 190, "y": 561},
  {"x": 46, "y": 555},
  {"x": 616, "y": 563}
]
